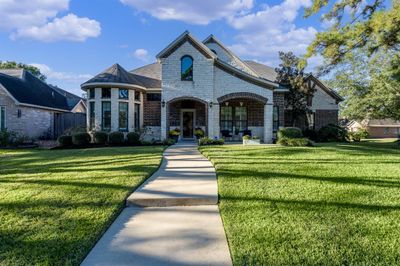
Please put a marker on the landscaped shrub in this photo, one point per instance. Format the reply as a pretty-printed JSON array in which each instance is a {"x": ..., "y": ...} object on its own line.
[
  {"x": 358, "y": 135},
  {"x": 310, "y": 134},
  {"x": 210, "y": 141},
  {"x": 199, "y": 133},
  {"x": 133, "y": 138},
  {"x": 174, "y": 134},
  {"x": 100, "y": 137},
  {"x": 331, "y": 133},
  {"x": 290, "y": 132},
  {"x": 81, "y": 139},
  {"x": 65, "y": 140},
  {"x": 295, "y": 142},
  {"x": 116, "y": 138},
  {"x": 5, "y": 138},
  {"x": 169, "y": 142}
]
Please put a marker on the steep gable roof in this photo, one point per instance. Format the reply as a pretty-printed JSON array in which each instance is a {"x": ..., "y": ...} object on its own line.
[
  {"x": 116, "y": 74},
  {"x": 72, "y": 99},
  {"x": 186, "y": 37},
  {"x": 262, "y": 70},
  {"x": 234, "y": 60},
  {"x": 29, "y": 90}
]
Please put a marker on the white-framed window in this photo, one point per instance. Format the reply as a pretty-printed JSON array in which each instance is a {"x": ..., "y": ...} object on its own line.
[{"x": 2, "y": 117}]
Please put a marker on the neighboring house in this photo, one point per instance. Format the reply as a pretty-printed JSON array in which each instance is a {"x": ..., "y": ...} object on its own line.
[
  {"x": 203, "y": 85},
  {"x": 32, "y": 108},
  {"x": 377, "y": 128}
]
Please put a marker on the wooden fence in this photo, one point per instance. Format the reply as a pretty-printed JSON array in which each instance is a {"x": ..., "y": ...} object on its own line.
[{"x": 64, "y": 121}]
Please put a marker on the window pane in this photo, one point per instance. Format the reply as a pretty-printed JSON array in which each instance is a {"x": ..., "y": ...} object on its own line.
[
  {"x": 275, "y": 115},
  {"x": 123, "y": 116},
  {"x": 91, "y": 115},
  {"x": 91, "y": 93},
  {"x": 123, "y": 94},
  {"x": 106, "y": 93},
  {"x": 106, "y": 113},
  {"x": 187, "y": 68},
  {"x": 137, "y": 116},
  {"x": 240, "y": 113},
  {"x": 153, "y": 97},
  {"x": 2, "y": 117},
  {"x": 137, "y": 96},
  {"x": 226, "y": 113}
]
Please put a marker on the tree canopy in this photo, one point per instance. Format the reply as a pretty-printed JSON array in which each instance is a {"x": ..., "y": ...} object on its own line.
[
  {"x": 367, "y": 24},
  {"x": 32, "y": 69}
]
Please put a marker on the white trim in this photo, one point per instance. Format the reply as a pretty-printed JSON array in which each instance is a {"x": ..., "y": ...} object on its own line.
[
  {"x": 76, "y": 105},
  {"x": 44, "y": 107},
  {"x": 180, "y": 37},
  {"x": 5, "y": 117},
  {"x": 190, "y": 110},
  {"x": 86, "y": 86}
]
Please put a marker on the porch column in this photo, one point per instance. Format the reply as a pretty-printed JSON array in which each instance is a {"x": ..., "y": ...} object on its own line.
[
  {"x": 214, "y": 123},
  {"x": 164, "y": 122},
  {"x": 268, "y": 122}
]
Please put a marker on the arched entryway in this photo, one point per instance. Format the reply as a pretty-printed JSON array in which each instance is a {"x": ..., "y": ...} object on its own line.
[
  {"x": 242, "y": 114},
  {"x": 186, "y": 114}
]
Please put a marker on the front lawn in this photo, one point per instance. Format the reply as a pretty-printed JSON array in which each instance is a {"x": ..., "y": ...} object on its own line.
[
  {"x": 54, "y": 205},
  {"x": 337, "y": 204}
]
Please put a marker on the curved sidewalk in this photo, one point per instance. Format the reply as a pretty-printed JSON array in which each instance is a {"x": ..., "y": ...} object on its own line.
[{"x": 172, "y": 219}]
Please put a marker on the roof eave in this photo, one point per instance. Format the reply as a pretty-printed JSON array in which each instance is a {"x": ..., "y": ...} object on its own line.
[{"x": 89, "y": 85}]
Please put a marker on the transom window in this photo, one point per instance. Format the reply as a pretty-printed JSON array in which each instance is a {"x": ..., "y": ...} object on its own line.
[
  {"x": 91, "y": 93},
  {"x": 123, "y": 94},
  {"x": 105, "y": 93},
  {"x": 187, "y": 68},
  {"x": 153, "y": 97}
]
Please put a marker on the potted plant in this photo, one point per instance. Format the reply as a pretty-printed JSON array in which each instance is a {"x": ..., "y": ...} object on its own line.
[
  {"x": 246, "y": 139},
  {"x": 174, "y": 134},
  {"x": 199, "y": 133}
]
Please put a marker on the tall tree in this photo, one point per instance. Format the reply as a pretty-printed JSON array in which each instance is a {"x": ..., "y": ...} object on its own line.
[
  {"x": 33, "y": 70},
  {"x": 356, "y": 24},
  {"x": 291, "y": 74},
  {"x": 368, "y": 86}
]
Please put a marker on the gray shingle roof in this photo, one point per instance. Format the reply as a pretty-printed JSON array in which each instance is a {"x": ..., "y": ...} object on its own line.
[
  {"x": 72, "y": 99},
  {"x": 117, "y": 74},
  {"x": 383, "y": 123},
  {"x": 27, "y": 89},
  {"x": 262, "y": 70},
  {"x": 152, "y": 71}
]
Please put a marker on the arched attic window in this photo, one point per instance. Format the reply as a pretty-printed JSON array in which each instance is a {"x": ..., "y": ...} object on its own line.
[{"x": 187, "y": 68}]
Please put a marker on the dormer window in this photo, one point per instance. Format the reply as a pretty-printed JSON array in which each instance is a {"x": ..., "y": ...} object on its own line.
[{"x": 187, "y": 68}]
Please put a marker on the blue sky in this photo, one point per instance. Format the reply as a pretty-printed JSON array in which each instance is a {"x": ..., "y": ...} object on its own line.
[{"x": 72, "y": 40}]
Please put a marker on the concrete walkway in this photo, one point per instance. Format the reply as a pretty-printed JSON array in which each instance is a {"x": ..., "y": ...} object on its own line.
[{"x": 172, "y": 219}]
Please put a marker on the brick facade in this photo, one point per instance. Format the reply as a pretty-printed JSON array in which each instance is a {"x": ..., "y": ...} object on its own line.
[
  {"x": 279, "y": 101},
  {"x": 175, "y": 112},
  {"x": 151, "y": 112},
  {"x": 325, "y": 117}
]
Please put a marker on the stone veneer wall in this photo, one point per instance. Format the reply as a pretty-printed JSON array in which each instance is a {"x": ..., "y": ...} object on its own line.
[{"x": 33, "y": 123}]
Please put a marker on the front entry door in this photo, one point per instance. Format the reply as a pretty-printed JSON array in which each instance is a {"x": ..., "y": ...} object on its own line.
[{"x": 187, "y": 124}]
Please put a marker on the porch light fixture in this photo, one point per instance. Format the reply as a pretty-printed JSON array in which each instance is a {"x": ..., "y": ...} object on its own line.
[
  {"x": 211, "y": 104},
  {"x": 241, "y": 103},
  {"x": 226, "y": 103},
  {"x": 163, "y": 103}
]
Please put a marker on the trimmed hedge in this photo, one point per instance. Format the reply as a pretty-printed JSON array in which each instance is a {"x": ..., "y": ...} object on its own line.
[
  {"x": 65, "y": 140},
  {"x": 210, "y": 141},
  {"x": 116, "y": 138},
  {"x": 133, "y": 138},
  {"x": 332, "y": 133},
  {"x": 295, "y": 142},
  {"x": 290, "y": 132},
  {"x": 81, "y": 139},
  {"x": 100, "y": 137}
]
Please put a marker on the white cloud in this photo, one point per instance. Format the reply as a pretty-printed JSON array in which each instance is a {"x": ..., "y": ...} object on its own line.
[
  {"x": 69, "y": 27},
  {"x": 264, "y": 33},
  {"x": 141, "y": 54},
  {"x": 65, "y": 80},
  {"x": 54, "y": 76},
  {"x": 37, "y": 20},
  {"x": 190, "y": 11}
]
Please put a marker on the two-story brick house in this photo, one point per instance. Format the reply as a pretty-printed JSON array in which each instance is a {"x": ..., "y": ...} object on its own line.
[{"x": 197, "y": 84}]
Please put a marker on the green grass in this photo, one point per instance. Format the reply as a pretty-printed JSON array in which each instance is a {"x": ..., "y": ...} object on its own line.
[
  {"x": 337, "y": 204},
  {"x": 54, "y": 205}
]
